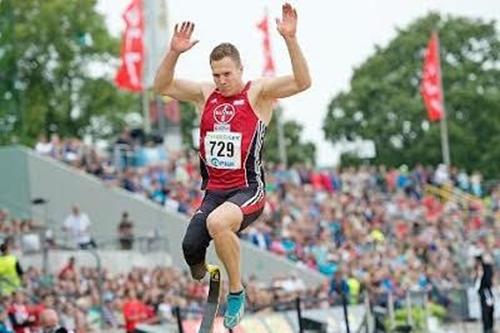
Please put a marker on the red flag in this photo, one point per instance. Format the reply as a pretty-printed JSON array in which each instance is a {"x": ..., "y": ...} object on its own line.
[
  {"x": 129, "y": 75},
  {"x": 431, "y": 87},
  {"x": 266, "y": 46},
  {"x": 171, "y": 111}
]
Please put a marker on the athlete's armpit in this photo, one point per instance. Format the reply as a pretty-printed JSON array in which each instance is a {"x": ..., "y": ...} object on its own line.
[{"x": 280, "y": 87}]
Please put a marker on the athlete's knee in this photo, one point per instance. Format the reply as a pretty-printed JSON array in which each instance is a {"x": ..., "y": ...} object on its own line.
[
  {"x": 195, "y": 242},
  {"x": 222, "y": 220},
  {"x": 215, "y": 225}
]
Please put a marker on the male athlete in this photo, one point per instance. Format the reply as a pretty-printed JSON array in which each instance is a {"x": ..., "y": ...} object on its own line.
[{"x": 234, "y": 118}]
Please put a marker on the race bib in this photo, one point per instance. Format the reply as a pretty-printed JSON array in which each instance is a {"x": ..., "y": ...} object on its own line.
[{"x": 223, "y": 150}]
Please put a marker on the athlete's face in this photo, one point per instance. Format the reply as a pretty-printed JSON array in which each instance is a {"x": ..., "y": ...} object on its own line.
[{"x": 227, "y": 75}]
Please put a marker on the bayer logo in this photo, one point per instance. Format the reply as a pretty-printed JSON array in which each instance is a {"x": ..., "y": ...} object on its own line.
[{"x": 224, "y": 113}]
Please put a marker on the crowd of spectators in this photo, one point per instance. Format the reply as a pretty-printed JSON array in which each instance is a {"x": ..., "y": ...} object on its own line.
[
  {"x": 16, "y": 226},
  {"x": 375, "y": 228},
  {"x": 24, "y": 230},
  {"x": 171, "y": 179},
  {"x": 89, "y": 300},
  {"x": 368, "y": 227}
]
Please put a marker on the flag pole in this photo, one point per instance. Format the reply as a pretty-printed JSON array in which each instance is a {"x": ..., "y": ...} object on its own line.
[
  {"x": 145, "y": 93},
  {"x": 445, "y": 146},
  {"x": 269, "y": 70}
]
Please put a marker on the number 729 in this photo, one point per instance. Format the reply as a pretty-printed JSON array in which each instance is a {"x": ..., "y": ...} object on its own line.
[{"x": 221, "y": 148}]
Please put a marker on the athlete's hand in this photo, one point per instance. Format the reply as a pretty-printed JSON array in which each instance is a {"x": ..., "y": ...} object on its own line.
[
  {"x": 181, "y": 40},
  {"x": 287, "y": 26}
]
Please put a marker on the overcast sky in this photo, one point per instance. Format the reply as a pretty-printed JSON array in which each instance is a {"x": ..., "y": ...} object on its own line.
[{"x": 336, "y": 36}]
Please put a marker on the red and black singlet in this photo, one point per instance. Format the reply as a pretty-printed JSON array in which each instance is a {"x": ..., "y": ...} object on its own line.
[{"x": 231, "y": 140}]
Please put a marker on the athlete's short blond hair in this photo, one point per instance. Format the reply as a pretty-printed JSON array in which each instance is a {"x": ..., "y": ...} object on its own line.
[{"x": 225, "y": 50}]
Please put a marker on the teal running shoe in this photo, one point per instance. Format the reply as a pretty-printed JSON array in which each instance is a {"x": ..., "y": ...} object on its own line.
[{"x": 235, "y": 308}]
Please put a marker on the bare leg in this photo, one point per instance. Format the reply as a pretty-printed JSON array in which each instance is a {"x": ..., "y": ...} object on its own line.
[
  {"x": 228, "y": 250},
  {"x": 222, "y": 225}
]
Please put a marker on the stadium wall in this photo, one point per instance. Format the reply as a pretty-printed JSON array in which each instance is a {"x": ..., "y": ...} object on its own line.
[{"x": 14, "y": 187}]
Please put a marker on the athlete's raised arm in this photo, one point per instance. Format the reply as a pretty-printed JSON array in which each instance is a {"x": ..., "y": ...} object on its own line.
[
  {"x": 300, "y": 79},
  {"x": 165, "y": 83}
]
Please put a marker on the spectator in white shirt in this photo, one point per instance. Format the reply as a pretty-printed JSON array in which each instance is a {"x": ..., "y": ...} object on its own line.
[
  {"x": 77, "y": 226},
  {"x": 43, "y": 147},
  {"x": 441, "y": 175}
]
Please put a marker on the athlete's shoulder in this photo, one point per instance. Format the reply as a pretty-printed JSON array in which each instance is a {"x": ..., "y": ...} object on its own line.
[
  {"x": 255, "y": 89},
  {"x": 207, "y": 88}
]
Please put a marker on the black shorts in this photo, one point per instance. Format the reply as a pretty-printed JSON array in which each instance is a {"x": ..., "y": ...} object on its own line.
[
  {"x": 251, "y": 201},
  {"x": 197, "y": 238}
]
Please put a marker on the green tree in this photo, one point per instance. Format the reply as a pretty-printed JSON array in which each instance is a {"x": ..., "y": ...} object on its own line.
[
  {"x": 384, "y": 104},
  {"x": 189, "y": 122},
  {"x": 296, "y": 150},
  {"x": 49, "y": 54}
]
